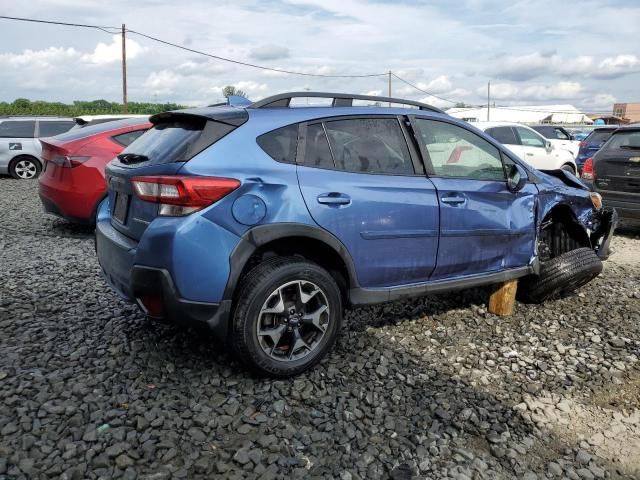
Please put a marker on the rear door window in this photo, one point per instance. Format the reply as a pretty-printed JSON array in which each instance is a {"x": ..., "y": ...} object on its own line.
[
  {"x": 51, "y": 128},
  {"x": 504, "y": 135},
  {"x": 317, "y": 152},
  {"x": 528, "y": 138},
  {"x": 281, "y": 144},
  {"x": 369, "y": 145},
  {"x": 17, "y": 129},
  {"x": 126, "y": 139}
]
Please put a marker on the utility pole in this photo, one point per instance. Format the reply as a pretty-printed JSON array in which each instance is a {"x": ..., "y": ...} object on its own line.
[
  {"x": 125, "y": 107},
  {"x": 389, "y": 87},
  {"x": 488, "y": 100}
]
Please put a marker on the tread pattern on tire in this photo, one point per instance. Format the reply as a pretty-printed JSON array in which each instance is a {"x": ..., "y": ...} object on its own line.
[
  {"x": 560, "y": 275},
  {"x": 251, "y": 281}
]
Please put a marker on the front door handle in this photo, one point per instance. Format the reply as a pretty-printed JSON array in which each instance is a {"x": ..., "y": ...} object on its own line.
[
  {"x": 453, "y": 199},
  {"x": 334, "y": 198},
  {"x": 529, "y": 154}
]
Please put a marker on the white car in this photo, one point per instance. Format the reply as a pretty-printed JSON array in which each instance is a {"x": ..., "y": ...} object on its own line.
[
  {"x": 530, "y": 146},
  {"x": 559, "y": 137}
]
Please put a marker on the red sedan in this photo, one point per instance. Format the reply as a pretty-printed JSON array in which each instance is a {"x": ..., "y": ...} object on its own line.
[{"x": 72, "y": 183}]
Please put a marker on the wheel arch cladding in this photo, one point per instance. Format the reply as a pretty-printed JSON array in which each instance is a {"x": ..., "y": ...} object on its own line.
[{"x": 312, "y": 243}]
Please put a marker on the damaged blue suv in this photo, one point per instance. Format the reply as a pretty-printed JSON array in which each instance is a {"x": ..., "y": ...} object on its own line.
[{"x": 263, "y": 221}]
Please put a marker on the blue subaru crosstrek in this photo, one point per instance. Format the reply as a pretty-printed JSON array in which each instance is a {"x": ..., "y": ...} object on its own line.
[{"x": 263, "y": 221}]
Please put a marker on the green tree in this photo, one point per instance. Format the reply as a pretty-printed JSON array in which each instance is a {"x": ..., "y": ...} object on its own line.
[{"x": 232, "y": 90}]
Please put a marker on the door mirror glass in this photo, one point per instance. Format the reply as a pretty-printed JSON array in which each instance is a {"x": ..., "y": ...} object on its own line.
[{"x": 517, "y": 178}]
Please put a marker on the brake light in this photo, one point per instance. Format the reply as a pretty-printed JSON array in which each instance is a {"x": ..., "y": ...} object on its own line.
[
  {"x": 182, "y": 195},
  {"x": 65, "y": 161},
  {"x": 587, "y": 170}
]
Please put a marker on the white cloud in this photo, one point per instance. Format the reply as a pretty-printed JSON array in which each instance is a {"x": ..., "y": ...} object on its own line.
[
  {"x": 162, "y": 82},
  {"x": 618, "y": 65},
  {"x": 112, "y": 52},
  {"x": 555, "y": 91},
  {"x": 269, "y": 52},
  {"x": 41, "y": 58}
]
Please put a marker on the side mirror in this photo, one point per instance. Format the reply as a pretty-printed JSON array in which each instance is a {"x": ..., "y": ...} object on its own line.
[
  {"x": 517, "y": 178},
  {"x": 549, "y": 146}
]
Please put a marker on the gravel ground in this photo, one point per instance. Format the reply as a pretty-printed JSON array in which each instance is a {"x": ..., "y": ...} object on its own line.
[{"x": 434, "y": 388}]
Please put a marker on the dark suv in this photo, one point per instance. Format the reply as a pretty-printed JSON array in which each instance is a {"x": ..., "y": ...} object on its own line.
[
  {"x": 594, "y": 141},
  {"x": 614, "y": 172},
  {"x": 262, "y": 222}
]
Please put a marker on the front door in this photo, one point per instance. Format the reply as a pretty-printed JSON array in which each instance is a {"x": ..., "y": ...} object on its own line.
[
  {"x": 484, "y": 227},
  {"x": 362, "y": 183}
]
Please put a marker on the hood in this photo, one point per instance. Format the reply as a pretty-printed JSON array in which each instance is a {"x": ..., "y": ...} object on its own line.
[{"x": 562, "y": 178}]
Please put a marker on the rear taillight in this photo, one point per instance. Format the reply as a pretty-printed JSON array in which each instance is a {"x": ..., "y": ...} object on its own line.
[
  {"x": 181, "y": 195},
  {"x": 587, "y": 170},
  {"x": 66, "y": 161}
]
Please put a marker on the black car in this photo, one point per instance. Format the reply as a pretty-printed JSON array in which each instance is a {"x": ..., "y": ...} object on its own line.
[
  {"x": 594, "y": 141},
  {"x": 614, "y": 172}
]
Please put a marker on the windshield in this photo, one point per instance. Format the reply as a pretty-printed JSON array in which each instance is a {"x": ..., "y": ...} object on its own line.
[{"x": 598, "y": 137}]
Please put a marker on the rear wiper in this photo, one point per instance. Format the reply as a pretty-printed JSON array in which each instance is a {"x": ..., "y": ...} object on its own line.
[
  {"x": 129, "y": 158},
  {"x": 630, "y": 147}
]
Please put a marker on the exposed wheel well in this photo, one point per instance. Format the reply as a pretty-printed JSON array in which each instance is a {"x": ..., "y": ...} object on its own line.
[
  {"x": 571, "y": 166},
  {"x": 309, "y": 248},
  {"x": 560, "y": 232}
]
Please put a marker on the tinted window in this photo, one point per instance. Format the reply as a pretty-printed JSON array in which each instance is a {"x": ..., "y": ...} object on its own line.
[
  {"x": 560, "y": 134},
  {"x": 51, "y": 128},
  {"x": 457, "y": 152},
  {"x": 281, "y": 144},
  {"x": 624, "y": 141},
  {"x": 316, "y": 151},
  {"x": 504, "y": 135},
  {"x": 174, "y": 141},
  {"x": 17, "y": 129},
  {"x": 127, "y": 138},
  {"x": 371, "y": 145},
  {"x": 83, "y": 132},
  {"x": 598, "y": 137},
  {"x": 529, "y": 138},
  {"x": 553, "y": 133}
]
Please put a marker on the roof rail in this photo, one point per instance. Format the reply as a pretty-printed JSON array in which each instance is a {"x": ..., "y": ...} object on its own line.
[{"x": 339, "y": 100}]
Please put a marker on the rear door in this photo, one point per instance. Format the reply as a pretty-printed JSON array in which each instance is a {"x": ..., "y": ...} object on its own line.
[
  {"x": 617, "y": 169},
  {"x": 484, "y": 227},
  {"x": 534, "y": 149},
  {"x": 17, "y": 138},
  {"x": 362, "y": 182}
]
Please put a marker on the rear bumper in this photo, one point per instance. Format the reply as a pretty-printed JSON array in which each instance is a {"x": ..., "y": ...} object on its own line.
[
  {"x": 118, "y": 256},
  {"x": 77, "y": 207},
  {"x": 157, "y": 283}
]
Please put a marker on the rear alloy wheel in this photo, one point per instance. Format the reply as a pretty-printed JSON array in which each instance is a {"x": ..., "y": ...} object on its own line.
[
  {"x": 25, "y": 168},
  {"x": 287, "y": 316}
]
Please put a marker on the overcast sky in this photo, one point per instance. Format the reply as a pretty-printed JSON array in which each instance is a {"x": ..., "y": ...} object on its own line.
[{"x": 585, "y": 53}]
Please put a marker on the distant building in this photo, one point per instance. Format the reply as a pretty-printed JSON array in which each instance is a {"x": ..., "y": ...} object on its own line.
[
  {"x": 630, "y": 111},
  {"x": 523, "y": 114}
]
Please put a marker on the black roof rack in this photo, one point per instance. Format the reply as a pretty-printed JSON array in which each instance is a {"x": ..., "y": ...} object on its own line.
[{"x": 339, "y": 100}]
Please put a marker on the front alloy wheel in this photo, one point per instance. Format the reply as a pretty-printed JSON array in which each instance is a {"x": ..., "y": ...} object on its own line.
[{"x": 286, "y": 317}]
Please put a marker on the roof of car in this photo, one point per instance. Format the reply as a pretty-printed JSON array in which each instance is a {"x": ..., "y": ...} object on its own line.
[
  {"x": 631, "y": 126},
  {"x": 33, "y": 117}
]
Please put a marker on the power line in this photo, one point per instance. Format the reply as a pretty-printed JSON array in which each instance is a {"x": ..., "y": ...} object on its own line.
[
  {"x": 253, "y": 65},
  {"x": 192, "y": 50},
  {"x": 423, "y": 91},
  {"x": 50, "y": 22}
]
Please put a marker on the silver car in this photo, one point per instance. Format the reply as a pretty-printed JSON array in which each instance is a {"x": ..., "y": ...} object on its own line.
[{"x": 20, "y": 148}]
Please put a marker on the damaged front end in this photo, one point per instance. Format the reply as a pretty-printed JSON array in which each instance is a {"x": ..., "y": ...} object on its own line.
[{"x": 607, "y": 219}]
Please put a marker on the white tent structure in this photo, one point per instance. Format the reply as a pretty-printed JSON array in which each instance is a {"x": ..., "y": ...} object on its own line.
[{"x": 523, "y": 114}]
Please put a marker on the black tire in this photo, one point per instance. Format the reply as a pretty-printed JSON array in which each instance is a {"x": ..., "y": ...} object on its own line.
[
  {"x": 256, "y": 289},
  {"x": 561, "y": 275},
  {"x": 25, "y": 167}
]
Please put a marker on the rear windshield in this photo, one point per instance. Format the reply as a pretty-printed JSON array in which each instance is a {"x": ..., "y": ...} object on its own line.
[
  {"x": 174, "y": 141},
  {"x": 624, "y": 141},
  {"x": 598, "y": 137},
  {"x": 78, "y": 133}
]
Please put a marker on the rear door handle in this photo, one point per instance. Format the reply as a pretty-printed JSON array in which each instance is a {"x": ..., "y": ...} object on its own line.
[
  {"x": 529, "y": 154},
  {"x": 453, "y": 199},
  {"x": 334, "y": 198}
]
